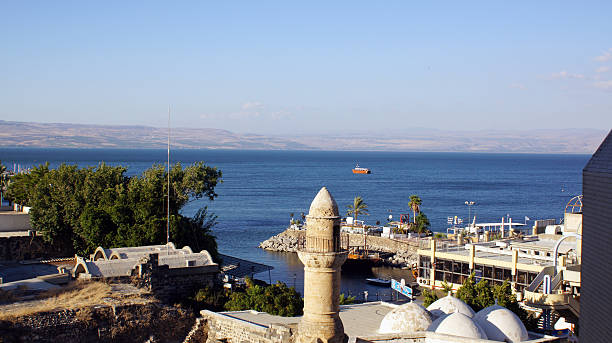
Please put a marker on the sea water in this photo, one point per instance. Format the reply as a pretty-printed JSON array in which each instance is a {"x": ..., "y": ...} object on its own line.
[{"x": 261, "y": 189}]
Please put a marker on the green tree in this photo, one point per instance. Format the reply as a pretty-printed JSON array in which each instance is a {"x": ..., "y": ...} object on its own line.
[
  {"x": 467, "y": 292},
  {"x": 484, "y": 296},
  {"x": 429, "y": 296},
  {"x": 415, "y": 204},
  {"x": 421, "y": 224},
  {"x": 80, "y": 209},
  {"x": 357, "y": 208},
  {"x": 4, "y": 181}
]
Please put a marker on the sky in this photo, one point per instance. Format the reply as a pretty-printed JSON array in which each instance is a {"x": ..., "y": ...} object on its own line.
[{"x": 311, "y": 67}]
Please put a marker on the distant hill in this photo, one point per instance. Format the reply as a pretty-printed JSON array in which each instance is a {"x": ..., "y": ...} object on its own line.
[{"x": 60, "y": 135}]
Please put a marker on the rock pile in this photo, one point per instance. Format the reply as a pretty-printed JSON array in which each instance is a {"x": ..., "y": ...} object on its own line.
[
  {"x": 281, "y": 242},
  {"x": 403, "y": 259}
]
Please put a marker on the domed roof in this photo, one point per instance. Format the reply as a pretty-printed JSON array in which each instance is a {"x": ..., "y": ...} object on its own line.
[
  {"x": 449, "y": 304},
  {"x": 323, "y": 205},
  {"x": 501, "y": 324},
  {"x": 457, "y": 324},
  {"x": 410, "y": 317}
]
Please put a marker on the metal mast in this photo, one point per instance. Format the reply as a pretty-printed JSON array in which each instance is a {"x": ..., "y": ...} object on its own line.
[{"x": 168, "y": 200}]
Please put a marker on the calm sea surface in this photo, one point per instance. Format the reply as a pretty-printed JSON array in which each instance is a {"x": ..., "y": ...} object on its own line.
[{"x": 261, "y": 188}]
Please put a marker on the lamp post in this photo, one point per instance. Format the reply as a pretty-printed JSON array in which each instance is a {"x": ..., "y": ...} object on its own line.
[{"x": 469, "y": 204}]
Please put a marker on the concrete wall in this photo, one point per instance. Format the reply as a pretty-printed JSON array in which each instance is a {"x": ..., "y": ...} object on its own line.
[
  {"x": 18, "y": 248},
  {"x": 14, "y": 221}
]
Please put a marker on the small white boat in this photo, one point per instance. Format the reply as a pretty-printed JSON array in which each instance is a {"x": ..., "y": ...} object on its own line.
[{"x": 377, "y": 281}]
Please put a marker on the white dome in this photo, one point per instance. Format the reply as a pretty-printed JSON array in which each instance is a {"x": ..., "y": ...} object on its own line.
[
  {"x": 449, "y": 304},
  {"x": 457, "y": 324},
  {"x": 410, "y": 317},
  {"x": 501, "y": 324}
]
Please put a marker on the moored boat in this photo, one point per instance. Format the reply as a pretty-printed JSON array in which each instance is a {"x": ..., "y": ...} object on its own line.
[{"x": 377, "y": 281}]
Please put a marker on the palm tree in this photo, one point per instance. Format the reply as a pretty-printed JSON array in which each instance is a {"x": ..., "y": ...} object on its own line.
[
  {"x": 415, "y": 205},
  {"x": 358, "y": 207}
]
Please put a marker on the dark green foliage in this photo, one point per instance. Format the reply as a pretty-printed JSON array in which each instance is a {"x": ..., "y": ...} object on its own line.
[
  {"x": 346, "y": 300},
  {"x": 480, "y": 295},
  {"x": 429, "y": 297},
  {"x": 210, "y": 299},
  {"x": 506, "y": 298},
  {"x": 277, "y": 299},
  {"x": 467, "y": 292},
  {"x": 80, "y": 209},
  {"x": 421, "y": 224},
  {"x": 446, "y": 287},
  {"x": 484, "y": 296}
]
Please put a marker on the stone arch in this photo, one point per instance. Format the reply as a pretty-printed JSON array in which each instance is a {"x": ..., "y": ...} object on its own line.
[
  {"x": 187, "y": 249},
  {"x": 80, "y": 268},
  {"x": 100, "y": 253}
]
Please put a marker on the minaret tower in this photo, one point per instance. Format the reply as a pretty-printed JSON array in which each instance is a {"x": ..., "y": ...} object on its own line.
[{"x": 322, "y": 257}]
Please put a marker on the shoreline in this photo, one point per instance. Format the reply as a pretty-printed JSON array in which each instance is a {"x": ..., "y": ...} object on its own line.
[{"x": 404, "y": 252}]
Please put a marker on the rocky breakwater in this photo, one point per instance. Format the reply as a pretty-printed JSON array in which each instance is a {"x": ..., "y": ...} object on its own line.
[{"x": 286, "y": 241}]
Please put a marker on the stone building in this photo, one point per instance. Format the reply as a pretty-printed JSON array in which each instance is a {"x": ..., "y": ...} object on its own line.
[{"x": 167, "y": 272}]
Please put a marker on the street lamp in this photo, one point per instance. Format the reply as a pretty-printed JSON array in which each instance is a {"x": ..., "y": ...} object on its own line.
[{"x": 469, "y": 204}]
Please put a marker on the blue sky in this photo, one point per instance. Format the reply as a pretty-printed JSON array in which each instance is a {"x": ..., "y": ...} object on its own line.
[{"x": 311, "y": 67}]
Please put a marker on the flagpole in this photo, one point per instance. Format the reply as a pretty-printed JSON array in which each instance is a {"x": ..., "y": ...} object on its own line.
[{"x": 168, "y": 202}]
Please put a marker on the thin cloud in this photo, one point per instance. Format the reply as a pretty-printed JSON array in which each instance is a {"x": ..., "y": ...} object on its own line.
[
  {"x": 605, "y": 57},
  {"x": 518, "y": 86},
  {"x": 252, "y": 105},
  {"x": 605, "y": 85},
  {"x": 603, "y": 69},
  {"x": 565, "y": 75}
]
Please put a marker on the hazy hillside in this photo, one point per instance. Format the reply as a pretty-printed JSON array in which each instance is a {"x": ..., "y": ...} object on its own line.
[{"x": 23, "y": 134}]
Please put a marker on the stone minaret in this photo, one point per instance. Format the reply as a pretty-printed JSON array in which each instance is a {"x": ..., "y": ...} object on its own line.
[{"x": 322, "y": 257}]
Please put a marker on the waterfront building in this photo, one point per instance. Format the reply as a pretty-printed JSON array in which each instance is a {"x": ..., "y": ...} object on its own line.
[
  {"x": 325, "y": 321},
  {"x": 544, "y": 270},
  {"x": 596, "y": 308}
]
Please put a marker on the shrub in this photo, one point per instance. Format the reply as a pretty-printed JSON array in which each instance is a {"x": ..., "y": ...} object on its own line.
[{"x": 277, "y": 299}]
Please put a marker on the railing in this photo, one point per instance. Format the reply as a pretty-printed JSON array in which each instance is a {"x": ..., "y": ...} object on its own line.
[
  {"x": 556, "y": 281},
  {"x": 535, "y": 284}
]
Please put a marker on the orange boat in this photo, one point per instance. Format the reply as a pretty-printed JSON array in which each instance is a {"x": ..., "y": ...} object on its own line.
[{"x": 360, "y": 170}]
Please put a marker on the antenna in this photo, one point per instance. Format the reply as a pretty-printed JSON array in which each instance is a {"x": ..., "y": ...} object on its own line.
[{"x": 168, "y": 202}]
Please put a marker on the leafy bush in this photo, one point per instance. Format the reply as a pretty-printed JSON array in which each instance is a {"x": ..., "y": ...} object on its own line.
[
  {"x": 346, "y": 300},
  {"x": 277, "y": 299},
  {"x": 429, "y": 297},
  {"x": 210, "y": 299}
]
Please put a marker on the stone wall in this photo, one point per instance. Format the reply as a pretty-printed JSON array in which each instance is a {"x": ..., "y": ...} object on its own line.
[
  {"x": 101, "y": 323},
  {"x": 14, "y": 221},
  {"x": 170, "y": 284},
  {"x": 220, "y": 328},
  {"x": 18, "y": 248}
]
